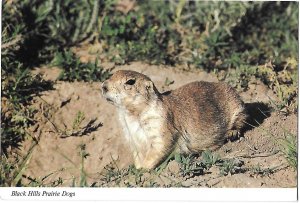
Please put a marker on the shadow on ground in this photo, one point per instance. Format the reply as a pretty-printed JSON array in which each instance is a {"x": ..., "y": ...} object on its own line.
[{"x": 257, "y": 113}]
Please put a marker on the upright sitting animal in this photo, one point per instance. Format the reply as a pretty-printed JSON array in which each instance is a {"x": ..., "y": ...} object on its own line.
[{"x": 193, "y": 118}]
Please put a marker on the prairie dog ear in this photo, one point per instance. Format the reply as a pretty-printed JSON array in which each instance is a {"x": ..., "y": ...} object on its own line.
[
  {"x": 149, "y": 86},
  {"x": 151, "y": 91}
]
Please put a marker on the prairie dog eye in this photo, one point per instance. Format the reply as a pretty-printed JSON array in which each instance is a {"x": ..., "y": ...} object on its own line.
[{"x": 130, "y": 82}]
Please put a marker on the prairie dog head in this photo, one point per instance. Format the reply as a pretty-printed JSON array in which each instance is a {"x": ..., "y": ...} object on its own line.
[{"x": 128, "y": 88}]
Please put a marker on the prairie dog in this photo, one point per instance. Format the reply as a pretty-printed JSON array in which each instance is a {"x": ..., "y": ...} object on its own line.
[{"x": 190, "y": 119}]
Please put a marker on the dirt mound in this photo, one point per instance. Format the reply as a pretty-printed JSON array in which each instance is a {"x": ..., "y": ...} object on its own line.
[{"x": 79, "y": 132}]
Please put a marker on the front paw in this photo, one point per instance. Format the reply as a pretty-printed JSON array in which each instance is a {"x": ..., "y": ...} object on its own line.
[
  {"x": 143, "y": 165},
  {"x": 233, "y": 135}
]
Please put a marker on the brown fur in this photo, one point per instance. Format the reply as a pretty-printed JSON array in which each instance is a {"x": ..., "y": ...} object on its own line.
[{"x": 190, "y": 119}]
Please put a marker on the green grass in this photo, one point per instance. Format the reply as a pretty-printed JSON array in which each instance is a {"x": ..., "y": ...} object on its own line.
[
  {"x": 74, "y": 70},
  {"x": 209, "y": 159},
  {"x": 231, "y": 166},
  {"x": 288, "y": 146},
  {"x": 188, "y": 166},
  {"x": 258, "y": 170},
  {"x": 191, "y": 167},
  {"x": 129, "y": 177},
  {"x": 17, "y": 93},
  {"x": 284, "y": 83},
  {"x": 12, "y": 170},
  {"x": 202, "y": 34}
]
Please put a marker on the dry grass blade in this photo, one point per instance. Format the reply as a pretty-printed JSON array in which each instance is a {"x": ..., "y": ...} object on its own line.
[
  {"x": 23, "y": 165},
  {"x": 90, "y": 127}
]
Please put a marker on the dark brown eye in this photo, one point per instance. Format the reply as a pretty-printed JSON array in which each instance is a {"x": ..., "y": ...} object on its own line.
[{"x": 130, "y": 82}]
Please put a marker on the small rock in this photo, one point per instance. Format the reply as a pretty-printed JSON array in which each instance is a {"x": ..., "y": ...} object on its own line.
[
  {"x": 166, "y": 181},
  {"x": 146, "y": 177},
  {"x": 213, "y": 182},
  {"x": 115, "y": 156},
  {"x": 241, "y": 139},
  {"x": 187, "y": 183},
  {"x": 173, "y": 167},
  {"x": 214, "y": 170},
  {"x": 65, "y": 101},
  {"x": 238, "y": 162}
]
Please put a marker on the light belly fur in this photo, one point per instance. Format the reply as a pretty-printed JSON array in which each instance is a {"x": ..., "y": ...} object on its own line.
[{"x": 144, "y": 132}]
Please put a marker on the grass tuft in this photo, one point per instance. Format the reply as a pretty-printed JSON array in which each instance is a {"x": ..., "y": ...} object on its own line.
[
  {"x": 288, "y": 146},
  {"x": 74, "y": 70}
]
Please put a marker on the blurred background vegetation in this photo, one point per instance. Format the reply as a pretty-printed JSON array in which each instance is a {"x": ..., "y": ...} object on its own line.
[
  {"x": 254, "y": 39},
  {"x": 203, "y": 34}
]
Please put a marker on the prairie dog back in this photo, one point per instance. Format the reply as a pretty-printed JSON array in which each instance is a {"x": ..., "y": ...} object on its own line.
[{"x": 206, "y": 113}]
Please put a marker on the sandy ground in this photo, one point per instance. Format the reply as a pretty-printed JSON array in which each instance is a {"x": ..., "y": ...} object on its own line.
[{"x": 60, "y": 155}]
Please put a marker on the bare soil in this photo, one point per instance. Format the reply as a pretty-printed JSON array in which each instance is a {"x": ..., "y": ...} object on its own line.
[{"x": 59, "y": 153}]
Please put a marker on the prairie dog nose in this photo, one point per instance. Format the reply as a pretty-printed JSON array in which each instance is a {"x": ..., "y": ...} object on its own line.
[{"x": 104, "y": 87}]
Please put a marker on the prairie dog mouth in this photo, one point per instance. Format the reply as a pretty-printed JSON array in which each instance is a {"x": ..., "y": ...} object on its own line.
[
  {"x": 104, "y": 95},
  {"x": 108, "y": 99}
]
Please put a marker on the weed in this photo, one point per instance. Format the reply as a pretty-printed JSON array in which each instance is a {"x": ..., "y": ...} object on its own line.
[
  {"x": 275, "y": 31},
  {"x": 42, "y": 181},
  {"x": 134, "y": 176},
  {"x": 231, "y": 166},
  {"x": 203, "y": 34},
  {"x": 73, "y": 69},
  {"x": 287, "y": 97},
  {"x": 152, "y": 184},
  {"x": 17, "y": 92},
  {"x": 128, "y": 177},
  {"x": 12, "y": 169},
  {"x": 257, "y": 170},
  {"x": 209, "y": 159},
  {"x": 283, "y": 82},
  {"x": 188, "y": 166},
  {"x": 111, "y": 173},
  {"x": 23, "y": 86},
  {"x": 288, "y": 146},
  {"x": 139, "y": 35},
  {"x": 49, "y": 25},
  {"x": 83, "y": 155},
  {"x": 78, "y": 120},
  {"x": 14, "y": 124},
  {"x": 168, "y": 82},
  {"x": 241, "y": 77},
  {"x": 227, "y": 166},
  {"x": 77, "y": 128}
]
